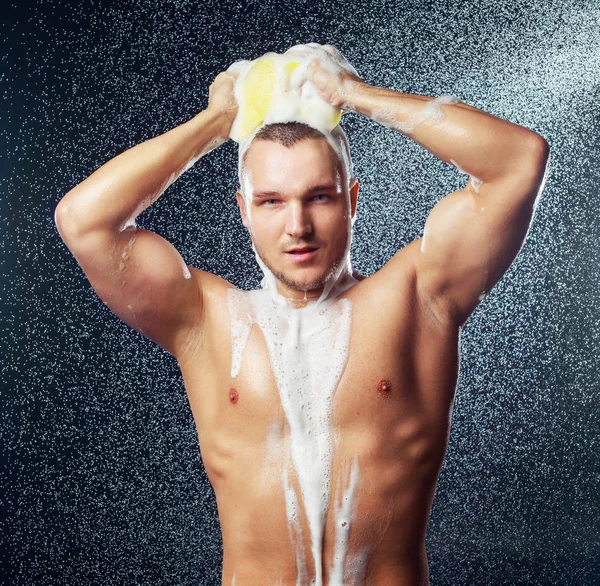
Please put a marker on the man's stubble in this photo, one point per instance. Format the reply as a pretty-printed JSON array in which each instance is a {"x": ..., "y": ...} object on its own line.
[{"x": 287, "y": 280}]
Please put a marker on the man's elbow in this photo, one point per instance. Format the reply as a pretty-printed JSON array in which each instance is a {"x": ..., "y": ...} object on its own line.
[
  {"x": 58, "y": 213},
  {"x": 538, "y": 153},
  {"x": 535, "y": 165},
  {"x": 66, "y": 222},
  {"x": 541, "y": 150},
  {"x": 61, "y": 217}
]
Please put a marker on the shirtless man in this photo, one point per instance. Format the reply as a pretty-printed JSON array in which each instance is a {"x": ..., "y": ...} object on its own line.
[{"x": 394, "y": 398}]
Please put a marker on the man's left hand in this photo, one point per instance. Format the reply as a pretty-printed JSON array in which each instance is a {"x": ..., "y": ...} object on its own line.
[{"x": 329, "y": 72}]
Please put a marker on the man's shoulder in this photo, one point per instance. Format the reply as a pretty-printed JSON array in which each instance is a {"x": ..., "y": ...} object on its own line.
[
  {"x": 394, "y": 289},
  {"x": 209, "y": 283}
]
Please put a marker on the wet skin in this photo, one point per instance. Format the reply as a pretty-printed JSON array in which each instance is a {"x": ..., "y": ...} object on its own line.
[
  {"x": 392, "y": 405},
  {"x": 392, "y": 408},
  {"x": 393, "y": 402}
]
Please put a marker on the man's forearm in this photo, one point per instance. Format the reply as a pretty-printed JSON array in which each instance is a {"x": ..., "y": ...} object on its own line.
[
  {"x": 123, "y": 187},
  {"x": 480, "y": 144}
]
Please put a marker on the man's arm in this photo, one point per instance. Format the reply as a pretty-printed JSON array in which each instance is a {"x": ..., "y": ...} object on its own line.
[
  {"x": 139, "y": 275},
  {"x": 472, "y": 235}
]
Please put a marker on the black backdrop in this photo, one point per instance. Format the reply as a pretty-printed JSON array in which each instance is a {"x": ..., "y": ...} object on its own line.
[{"x": 101, "y": 479}]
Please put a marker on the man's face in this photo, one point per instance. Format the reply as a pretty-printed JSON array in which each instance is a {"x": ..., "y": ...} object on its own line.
[{"x": 298, "y": 200}]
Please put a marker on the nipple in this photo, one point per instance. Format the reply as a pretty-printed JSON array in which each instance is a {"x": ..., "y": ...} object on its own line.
[{"x": 384, "y": 387}]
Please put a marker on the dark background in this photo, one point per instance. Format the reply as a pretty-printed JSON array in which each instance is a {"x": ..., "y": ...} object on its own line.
[{"x": 101, "y": 480}]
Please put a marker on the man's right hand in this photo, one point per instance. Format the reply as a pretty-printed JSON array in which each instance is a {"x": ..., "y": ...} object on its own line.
[{"x": 221, "y": 97}]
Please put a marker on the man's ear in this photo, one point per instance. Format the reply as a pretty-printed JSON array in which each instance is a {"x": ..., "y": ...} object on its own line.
[
  {"x": 354, "y": 186},
  {"x": 242, "y": 205}
]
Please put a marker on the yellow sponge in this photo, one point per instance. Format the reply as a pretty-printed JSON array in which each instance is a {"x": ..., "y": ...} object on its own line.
[{"x": 265, "y": 93}]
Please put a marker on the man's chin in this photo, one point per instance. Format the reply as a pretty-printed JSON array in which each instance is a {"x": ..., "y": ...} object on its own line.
[
  {"x": 310, "y": 282},
  {"x": 304, "y": 279},
  {"x": 301, "y": 285}
]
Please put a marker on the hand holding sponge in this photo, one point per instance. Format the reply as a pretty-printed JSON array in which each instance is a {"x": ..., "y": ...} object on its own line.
[{"x": 274, "y": 88}]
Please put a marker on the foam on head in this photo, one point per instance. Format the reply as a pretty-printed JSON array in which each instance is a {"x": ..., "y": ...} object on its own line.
[{"x": 274, "y": 88}]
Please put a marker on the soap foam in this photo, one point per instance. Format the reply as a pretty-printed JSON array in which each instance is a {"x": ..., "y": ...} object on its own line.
[
  {"x": 475, "y": 183},
  {"x": 273, "y": 450},
  {"x": 431, "y": 113},
  {"x": 292, "y": 509},
  {"x": 308, "y": 347},
  {"x": 210, "y": 146},
  {"x": 343, "y": 522},
  {"x": 275, "y": 88},
  {"x": 308, "y": 350}
]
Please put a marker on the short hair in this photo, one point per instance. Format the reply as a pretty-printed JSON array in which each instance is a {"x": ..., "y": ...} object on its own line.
[
  {"x": 285, "y": 133},
  {"x": 292, "y": 132}
]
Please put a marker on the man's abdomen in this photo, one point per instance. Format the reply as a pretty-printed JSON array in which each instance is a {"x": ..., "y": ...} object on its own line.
[{"x": 381, "y": 535}]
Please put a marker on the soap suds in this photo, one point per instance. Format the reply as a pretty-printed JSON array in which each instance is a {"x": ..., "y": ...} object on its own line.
[
  {"x": 343, "y": 521},
  {"x": 475, "y": 183},
  {"x": 273, "y": 450},
  {"x": 127, "y": 250},
  {"x": 292, "y": 509},
  {"x": 137, "y": 323},
  {"x": 306, "y": 379},
  {"x": 431, "y": 113},
  {"x": 210, "y": 145}
]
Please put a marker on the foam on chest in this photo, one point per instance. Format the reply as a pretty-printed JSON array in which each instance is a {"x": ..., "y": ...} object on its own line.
[{"x": 308, "y": 350}]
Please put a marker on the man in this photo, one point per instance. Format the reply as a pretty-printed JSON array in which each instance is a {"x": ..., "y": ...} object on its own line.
[{"x": 393, "y": 402}]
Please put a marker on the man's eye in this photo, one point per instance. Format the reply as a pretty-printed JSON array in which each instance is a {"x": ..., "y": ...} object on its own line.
[{"x": 323, "y": 197}]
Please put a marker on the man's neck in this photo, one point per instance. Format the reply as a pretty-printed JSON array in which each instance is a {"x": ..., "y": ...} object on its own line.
[{"x": 297, "y": 298}]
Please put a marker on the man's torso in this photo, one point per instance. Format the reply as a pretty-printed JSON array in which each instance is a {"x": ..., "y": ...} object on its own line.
[{"x": 391, "y": 410}]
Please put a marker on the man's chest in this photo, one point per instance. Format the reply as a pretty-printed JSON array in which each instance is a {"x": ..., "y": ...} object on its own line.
[
  {"x": 319, "y": 381},
  {"x": 349, "y": 369}
]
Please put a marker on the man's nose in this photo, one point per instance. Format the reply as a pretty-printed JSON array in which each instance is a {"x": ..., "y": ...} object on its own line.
[{"x": 298, "y": 220}]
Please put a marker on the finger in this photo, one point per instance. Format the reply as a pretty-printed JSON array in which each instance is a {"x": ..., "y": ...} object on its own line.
[
  {"x": 238, "y": 67},
  {"x": 331, "y": 50},
  {"x": 313, "y": 65},
  {"x": 313, "y": 68}
]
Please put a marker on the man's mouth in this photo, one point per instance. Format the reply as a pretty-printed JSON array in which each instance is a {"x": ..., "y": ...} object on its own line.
[{"x": 302, "y": 253}]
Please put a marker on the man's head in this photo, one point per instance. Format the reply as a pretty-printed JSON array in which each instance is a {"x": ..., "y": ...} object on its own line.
[{"x": 297, "y": 191}]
